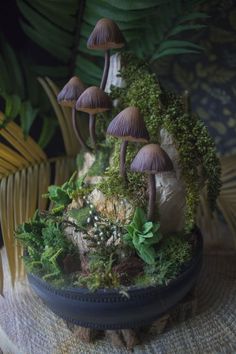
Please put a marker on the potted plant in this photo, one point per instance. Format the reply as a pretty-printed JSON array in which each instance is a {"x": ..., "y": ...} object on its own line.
[{"x": 116, "y": 252}]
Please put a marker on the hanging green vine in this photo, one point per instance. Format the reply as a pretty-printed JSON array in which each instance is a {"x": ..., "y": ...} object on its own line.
[{"x": 198, "y": 159}]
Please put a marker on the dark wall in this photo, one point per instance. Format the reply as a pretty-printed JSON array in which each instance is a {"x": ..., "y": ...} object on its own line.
[{"x": 211, "y": 76}]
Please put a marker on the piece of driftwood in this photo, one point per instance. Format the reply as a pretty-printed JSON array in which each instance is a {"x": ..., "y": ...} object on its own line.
[{"x": 129, "y": 338}]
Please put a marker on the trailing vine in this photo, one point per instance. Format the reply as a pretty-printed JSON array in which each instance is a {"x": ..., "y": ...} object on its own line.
[{"x": 198, "y": 160}]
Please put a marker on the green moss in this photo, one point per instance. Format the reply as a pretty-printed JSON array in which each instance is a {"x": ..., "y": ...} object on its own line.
[
  {"x": 174, "y": 252},
  {"x": 80, "y": 159},
  {"x": 80, "y": 215},
  {"x": 101, "y": 161},
  {"x": 46, "y": 244},
  {"x": 196, "y": 148}
]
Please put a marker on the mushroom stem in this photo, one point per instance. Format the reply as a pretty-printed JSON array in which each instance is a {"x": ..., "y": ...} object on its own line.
[
  {"x": 105, "y": 70},
  {"x": 123, "y": 150},
  {"x": 77, "y": 132},
  {"x": 92, "y": 131},
  {"x": 152, "y": 197}
]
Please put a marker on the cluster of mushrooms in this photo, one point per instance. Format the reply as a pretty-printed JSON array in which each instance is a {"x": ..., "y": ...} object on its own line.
[{"x": 128, "y": 125}]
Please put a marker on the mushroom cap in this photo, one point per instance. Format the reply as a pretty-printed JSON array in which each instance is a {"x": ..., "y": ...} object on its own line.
[
  {"x": 106, "y": 35},
  {"x": 151, "y": 159},
  {"x": 129, "y": 125},
  {"x": 71, "y": 92},
  {"x": 93, "y": 100}
]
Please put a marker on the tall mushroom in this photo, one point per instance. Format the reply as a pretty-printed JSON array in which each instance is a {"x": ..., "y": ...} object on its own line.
[
  {"x": 106, "y": 35},
  {"x": 93, "y": 100},
  {"x": 128, "y": 125},
  {"x": 67, "y": 97},
  {"x": 151, "y": 159}
]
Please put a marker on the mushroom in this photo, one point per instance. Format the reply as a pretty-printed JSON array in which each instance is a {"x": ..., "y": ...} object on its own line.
[
  {"x": 106, "y": 35},
  {"x": 151, "y": 159},
  {"x": 128, "y": 125},
  {"x": 93, "y": 100},
  {"x": 67, "y": 97}
]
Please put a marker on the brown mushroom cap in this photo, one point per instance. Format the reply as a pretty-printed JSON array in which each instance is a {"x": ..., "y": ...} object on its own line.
[
  {"x": 106, "y": 35},
  {"x": 129, "y": 125},
  {"x": 152, "y": 159},
  {"x": 93, "y": 100},
  {"x": 71, "y": 92}
]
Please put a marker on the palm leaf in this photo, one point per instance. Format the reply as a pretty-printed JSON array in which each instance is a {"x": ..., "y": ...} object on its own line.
[
  {"x": 21, "y": 94},
  {"x": 1, "y": 275},
  {"x": 25, "y": 174},
  {"x": 62, "y": 29},
  {"x": 226, "y": 204},
  {"x": 63, "y": 115}
]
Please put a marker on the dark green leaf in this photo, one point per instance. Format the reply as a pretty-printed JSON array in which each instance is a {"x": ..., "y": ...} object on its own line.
[
  {"x": 177, "y": 44},
  {"x": 27, "y": 116},
  {"x": 135, "y": 4},
  {"x": 194, "y": 16},
  {"x": 47, "y": 132},
  {"x": 13, "y": 106},
  {"x": 182, "y": 28},
  {"x": 173, "y": 51}
]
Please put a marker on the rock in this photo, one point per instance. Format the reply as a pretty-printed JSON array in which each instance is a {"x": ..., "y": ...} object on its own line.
[
  {"x": 170, "y": 189},
  {"x": 89, "y": 159},
  {"x": 119, "y": 209}
]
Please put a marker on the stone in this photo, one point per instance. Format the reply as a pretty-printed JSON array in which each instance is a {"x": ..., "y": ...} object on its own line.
[
  {"x": 170, "y": 188},
  {"x": 111, "y": 207}
]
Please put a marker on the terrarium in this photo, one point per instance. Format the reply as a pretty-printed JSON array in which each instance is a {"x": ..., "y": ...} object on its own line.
[{"x": 119, "y": 246}]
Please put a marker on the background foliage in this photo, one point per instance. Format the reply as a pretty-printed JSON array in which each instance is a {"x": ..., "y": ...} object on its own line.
[{"x": 51, "y": 41}]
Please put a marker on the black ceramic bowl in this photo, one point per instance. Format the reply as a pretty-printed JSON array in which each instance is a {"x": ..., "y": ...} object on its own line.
[{"x": 109, "y": 309}]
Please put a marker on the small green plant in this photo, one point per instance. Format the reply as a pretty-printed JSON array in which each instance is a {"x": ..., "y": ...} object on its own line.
[
  {"x": 143, "y": 235},
  {"x": 174, "y": 252},
  {"x": 100, "y": 274},
  {"x": 62, "y": 196},
  {"x": 45, "y": 243}
]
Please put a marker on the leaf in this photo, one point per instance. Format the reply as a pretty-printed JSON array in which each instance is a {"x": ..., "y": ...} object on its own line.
[
  {"x": 14, "y": 70},
  {"x": 181, "y": 28},
  {"x": 194, "y": 16},
  {"x": 13, "y": 106},
  {"x": 147, "y": 227},
  {"x": 27, "y": 115},
  {"x": 172, "y": 51},
  {"x": 177, "y": 43},
  {"x": 49, "y": 126},
  {"x": 139, "y": 218},
  {"x": 58, "y": 196},
  {"x": 148, "y": 255},
  {"x": 134, "y": 4}
]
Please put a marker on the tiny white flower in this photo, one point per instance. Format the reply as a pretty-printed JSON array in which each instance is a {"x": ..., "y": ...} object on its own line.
[
  {"x": 101, "y": 233},
  {"x": 96, "y": 218},
  {"x": 88, "y": 220},
  {"x": 90, "y": 212}
]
